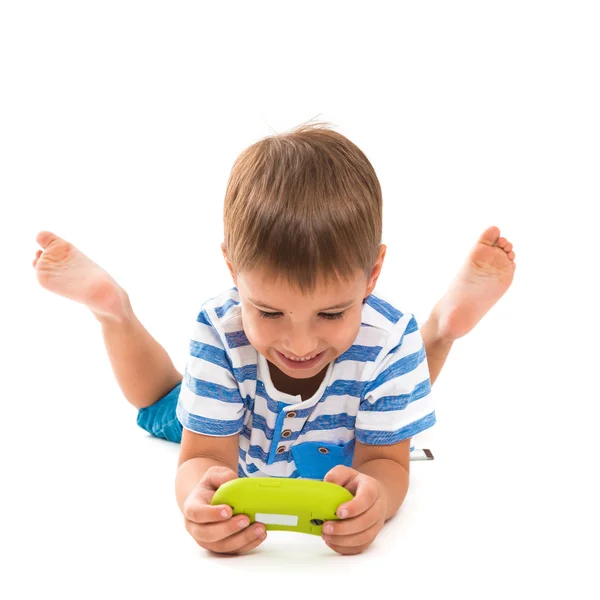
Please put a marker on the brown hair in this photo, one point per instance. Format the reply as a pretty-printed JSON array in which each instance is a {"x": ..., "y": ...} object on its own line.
[{"x": 303, "y": 205}]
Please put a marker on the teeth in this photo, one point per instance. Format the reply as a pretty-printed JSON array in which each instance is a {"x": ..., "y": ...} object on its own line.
[{"x": 300, "y": 359}]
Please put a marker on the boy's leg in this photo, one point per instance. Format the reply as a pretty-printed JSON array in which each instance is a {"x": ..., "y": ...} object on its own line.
[
  {"x": 436, "y": 348},
  {"x": 142, "y": 367},
  {"x": 482, "y": 280}
]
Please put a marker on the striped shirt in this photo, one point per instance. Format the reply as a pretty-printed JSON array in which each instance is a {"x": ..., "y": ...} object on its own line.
[{"x": 377, "y": 392}]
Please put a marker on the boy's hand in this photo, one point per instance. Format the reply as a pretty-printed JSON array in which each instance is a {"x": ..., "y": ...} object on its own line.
[
  {"x": 365, "y": 512},
  {"x": 211, "y": 529}
]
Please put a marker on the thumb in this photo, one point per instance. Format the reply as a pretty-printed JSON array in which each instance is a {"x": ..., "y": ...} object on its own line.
[
  {"x": 341, "y": 475},
  {"x": 213, "y": 479}
]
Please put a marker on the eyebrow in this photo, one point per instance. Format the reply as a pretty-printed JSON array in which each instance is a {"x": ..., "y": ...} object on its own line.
[{"x": 262, "y": 305}]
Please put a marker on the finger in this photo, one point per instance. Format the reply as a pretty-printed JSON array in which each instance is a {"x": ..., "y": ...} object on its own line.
[
  {"x": 364, "y": 488},
  {"x": 341, "y": 475},
  {"x": 197, "y": 505},
  {"x": 234, "y": 544},
  {"x": 360, "y": 538},
  {"x": 352, "y": 525},
  {"x": 216, "y": 476},
  {"x": 348, "y": 550},
  {"x": 256, "y": 541},
  {"x": 195, "y": 509},
  {"x": 210, "y": 532}
]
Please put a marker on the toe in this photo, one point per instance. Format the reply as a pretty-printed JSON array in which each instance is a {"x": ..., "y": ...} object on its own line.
[
  {"x": 508, "y": 247},
  {"x": 511, "y": 255},
  {"x": 501, "y": 242},
  {"x": 490, "y": 235},
  {"x": 45, "y": 238},
  {"x": 37, "y": 257}
]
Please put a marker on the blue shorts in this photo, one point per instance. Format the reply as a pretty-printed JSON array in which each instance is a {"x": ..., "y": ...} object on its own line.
[{"x": 160, "y": 420}]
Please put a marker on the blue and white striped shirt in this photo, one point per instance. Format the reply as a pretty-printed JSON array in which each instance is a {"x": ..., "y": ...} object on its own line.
[{"x": 377, "y": 392}]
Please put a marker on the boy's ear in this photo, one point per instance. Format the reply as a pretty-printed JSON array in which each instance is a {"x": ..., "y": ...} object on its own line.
[
  {"x": 229, "y": 265},
  {"x": 376, "y": 270}
]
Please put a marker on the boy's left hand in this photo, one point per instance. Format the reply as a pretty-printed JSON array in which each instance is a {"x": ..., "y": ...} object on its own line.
[{"x": 365, "y": 512}]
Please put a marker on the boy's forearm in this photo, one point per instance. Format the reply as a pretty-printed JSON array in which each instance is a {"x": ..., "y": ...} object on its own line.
[
  {"x": 190, "y": 473},
  {"x": 393, "y": 478}
]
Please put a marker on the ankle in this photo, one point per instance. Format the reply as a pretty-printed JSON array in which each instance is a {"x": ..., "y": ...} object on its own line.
[
  {"x": 435, "y": 328},
  {"x": 120, "y": 313}
]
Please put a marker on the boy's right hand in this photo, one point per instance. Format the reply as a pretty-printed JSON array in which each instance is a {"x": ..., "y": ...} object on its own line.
[{"x": 210, "y": 528}]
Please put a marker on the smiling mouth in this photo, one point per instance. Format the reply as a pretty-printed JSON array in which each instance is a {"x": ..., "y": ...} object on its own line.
[{"x": 300, "y": 363}]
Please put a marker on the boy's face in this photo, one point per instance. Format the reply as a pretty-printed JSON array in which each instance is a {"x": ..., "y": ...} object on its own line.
[{"x": 278, "y": 321}]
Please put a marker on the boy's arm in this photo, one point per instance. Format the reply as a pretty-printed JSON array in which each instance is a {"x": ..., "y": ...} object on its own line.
[
  {"x": 389, "y": 465},
  {"x": 198, "y": 454}
]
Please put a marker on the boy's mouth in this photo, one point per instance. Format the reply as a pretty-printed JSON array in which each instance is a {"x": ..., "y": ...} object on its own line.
[{"x": 300, "y": 364}]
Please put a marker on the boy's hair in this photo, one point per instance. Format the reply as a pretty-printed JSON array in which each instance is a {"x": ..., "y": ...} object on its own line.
[{"x": 303, "y": 205}]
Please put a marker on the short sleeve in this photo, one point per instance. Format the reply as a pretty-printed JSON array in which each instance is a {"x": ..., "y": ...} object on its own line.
[
  {"x": 396, "y": 402},
  {"x": 209, "y": 401}
]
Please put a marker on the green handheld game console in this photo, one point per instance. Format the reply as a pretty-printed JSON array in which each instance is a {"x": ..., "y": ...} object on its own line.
[{"x": 300, "y": 505}]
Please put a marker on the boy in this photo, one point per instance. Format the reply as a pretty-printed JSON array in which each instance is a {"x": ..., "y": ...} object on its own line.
[{"x": 300, "y": 370}]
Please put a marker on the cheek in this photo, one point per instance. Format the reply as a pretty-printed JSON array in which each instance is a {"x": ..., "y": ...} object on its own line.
[
  {"x": 258, "y": 334},
  {"x": 348, "y": 333}
]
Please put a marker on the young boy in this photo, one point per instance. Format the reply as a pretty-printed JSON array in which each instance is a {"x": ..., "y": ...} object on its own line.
[{"x": 300, "y": 370}]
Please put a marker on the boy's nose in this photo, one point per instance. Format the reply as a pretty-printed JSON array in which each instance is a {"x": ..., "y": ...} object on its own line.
[{"x": 301, "y": 349}]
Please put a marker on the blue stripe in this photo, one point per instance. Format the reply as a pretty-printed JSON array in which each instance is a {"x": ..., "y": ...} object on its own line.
[
  {"x": 405, "y": 365},
  {"x": 254, "y": 469},
  {"x": 208, "y": 426},
  {"x": 218, "y": 357},
  {"x": 321, "y": 423},
  {"x": 384, "y": 308},
  {"x": 212, "y": 390},
  {"x": 340, "y": 387},
  {"x": 325, "y": 422},
  {"x": 275, "y": 406},
  {"x": 387, "y": 403},
  {"x": 203, "y": 318},
  {"x": 221, "y": 310},
  {"x": 236, "y": 339},
  {"x": 360, "y": 353},
  {"x": 210, "y": 354},
  {"x": 375, "y": 438},
  {"x": 276, "y": 435},
  {"x": 410, "y": 328},
  {"x": 256, "y": 451}
]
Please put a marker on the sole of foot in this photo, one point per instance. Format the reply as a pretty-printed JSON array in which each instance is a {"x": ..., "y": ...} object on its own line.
[
  {"x": 482, "y": 280},
  {"x": 64, "y": 270}
]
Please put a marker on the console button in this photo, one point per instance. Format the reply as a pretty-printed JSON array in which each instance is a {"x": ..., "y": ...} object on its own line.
[{"x": 270, "y": 483}]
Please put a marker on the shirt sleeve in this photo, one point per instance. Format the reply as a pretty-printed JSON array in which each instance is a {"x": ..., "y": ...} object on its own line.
[
  {"x": 396, "y": 402},
  {"x": 209, "y": 401}
]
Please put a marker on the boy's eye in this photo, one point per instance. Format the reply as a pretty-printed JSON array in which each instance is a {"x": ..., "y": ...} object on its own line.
[{"x": 274, "y": 315}]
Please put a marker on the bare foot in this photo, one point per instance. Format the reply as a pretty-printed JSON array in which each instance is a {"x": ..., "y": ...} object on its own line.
[
  {"x": 481, "y": 282},
  {"x": 63, "y": 269}
]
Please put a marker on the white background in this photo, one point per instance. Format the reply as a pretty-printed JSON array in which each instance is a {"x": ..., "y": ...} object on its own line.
[{"x": 119, "y": 124}]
